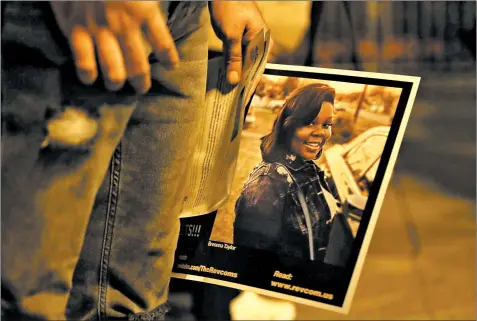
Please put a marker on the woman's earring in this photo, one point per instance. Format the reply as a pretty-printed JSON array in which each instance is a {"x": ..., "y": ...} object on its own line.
[{"x": 290, "y": 157}]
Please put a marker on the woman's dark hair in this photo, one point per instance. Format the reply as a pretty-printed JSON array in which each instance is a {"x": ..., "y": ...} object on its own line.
[{"x": 300, "y": 109}]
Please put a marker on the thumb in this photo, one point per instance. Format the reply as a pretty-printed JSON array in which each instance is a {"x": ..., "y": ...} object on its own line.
[{"x": 233, "y": 59}]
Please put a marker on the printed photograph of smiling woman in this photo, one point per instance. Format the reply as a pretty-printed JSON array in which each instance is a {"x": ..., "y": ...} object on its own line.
[
  {"x": 305, "y": 167},
  {"x": 287, "y": 205}
]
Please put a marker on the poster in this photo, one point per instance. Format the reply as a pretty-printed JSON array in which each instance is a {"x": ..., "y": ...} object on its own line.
[{"x": 317, "y": 151}]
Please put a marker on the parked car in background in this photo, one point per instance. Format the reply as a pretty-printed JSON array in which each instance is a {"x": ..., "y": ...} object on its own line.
[{"x": 352, "y": 167}]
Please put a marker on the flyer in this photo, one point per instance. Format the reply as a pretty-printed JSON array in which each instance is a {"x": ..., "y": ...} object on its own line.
[{"x": 316, "y": 154}]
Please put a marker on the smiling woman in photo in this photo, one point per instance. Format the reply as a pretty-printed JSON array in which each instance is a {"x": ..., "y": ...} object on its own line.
[{"x": 287, "y": 204}]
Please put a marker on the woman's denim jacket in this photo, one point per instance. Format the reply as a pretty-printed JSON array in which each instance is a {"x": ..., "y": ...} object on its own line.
[{"x": 269, "y": 215}]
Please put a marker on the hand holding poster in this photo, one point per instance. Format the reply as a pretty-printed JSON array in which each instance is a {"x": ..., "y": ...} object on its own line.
[{"x": 311, "y": 173}]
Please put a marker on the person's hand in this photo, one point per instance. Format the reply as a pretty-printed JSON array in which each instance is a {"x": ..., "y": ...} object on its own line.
[
  {"x": 235, "y": 23},
  {"x": 120, "y": 32}
]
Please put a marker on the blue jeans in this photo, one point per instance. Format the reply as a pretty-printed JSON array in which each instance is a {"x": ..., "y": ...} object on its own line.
[{"x": 91, "y": 233}]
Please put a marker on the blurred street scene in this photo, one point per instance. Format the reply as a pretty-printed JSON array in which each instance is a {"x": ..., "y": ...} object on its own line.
[{"x": 422, "y": 259}]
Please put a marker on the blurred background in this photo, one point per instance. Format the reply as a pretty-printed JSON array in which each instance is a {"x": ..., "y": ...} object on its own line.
[{"x": 422, "y": 260}]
